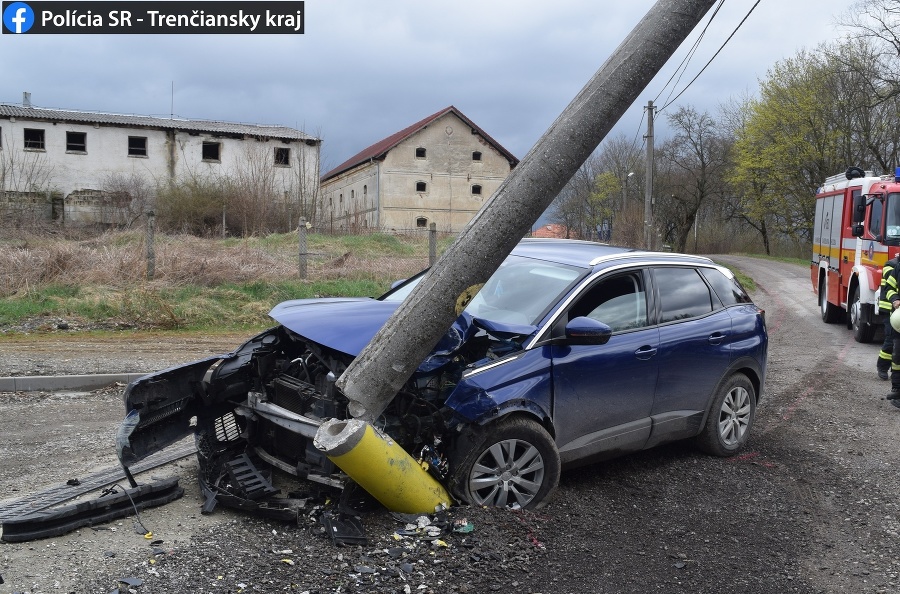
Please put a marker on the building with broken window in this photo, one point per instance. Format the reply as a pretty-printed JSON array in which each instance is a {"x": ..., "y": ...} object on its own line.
[
  {"x": 439, "y": 170},
  {"x": 90, "y": 167}
]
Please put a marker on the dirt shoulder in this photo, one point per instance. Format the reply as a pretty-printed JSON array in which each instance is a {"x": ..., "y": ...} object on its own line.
[{"x": 71, "y": 353}]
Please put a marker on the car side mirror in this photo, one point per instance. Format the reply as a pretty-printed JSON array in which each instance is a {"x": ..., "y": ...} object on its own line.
[
  {"x": 857, "y": 230},
  {"x": 585, "y": 330}
]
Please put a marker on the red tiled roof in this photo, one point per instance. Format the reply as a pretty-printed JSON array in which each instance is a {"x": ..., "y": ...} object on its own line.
[
  {"x": 553, "y": 230},
  {"x": 380, "y": 148}
]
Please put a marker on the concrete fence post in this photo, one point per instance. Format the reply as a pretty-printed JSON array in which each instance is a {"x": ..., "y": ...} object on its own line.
[
  {"x": 302, "y": 251},
  {"x": 151, "y": 252},
  {"x": 432, "y": 244}
]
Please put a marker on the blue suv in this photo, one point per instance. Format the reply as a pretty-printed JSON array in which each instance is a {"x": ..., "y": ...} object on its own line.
[{"x": 572, "y": 352}]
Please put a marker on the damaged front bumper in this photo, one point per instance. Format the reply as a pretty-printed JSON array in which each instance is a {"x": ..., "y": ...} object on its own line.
[{"x": 252, "y": 412}]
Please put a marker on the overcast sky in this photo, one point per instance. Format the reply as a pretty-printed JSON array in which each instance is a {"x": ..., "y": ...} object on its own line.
[{"x": 365, "y": 69}]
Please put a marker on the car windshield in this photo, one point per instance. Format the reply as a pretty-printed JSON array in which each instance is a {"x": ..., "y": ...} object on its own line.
[{"x": 521, "y": 291}]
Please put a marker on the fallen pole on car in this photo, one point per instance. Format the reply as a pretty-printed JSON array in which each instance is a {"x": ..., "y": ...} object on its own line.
[{"x": 389, "y": 360}]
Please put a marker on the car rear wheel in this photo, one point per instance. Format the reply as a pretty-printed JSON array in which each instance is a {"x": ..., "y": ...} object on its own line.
[
  {"x": 730, "y": 417},
  {"x": 510, "y": 463}
]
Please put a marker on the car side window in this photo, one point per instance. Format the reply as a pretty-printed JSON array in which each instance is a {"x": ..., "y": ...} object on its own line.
[
  {"x": 619, "y": 302},
  {"x": 682, "y": 293}
]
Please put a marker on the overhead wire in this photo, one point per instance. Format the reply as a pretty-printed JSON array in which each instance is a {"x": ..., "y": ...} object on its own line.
[
  {"x": 752, "y": 8},
  {"x": 679, "y": 71},
  {"x": 682, "y": 67}
]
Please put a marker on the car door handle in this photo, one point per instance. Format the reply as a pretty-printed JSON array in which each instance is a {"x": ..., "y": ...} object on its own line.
[
  {"x": 716, "y": 338},
  {"x": 645, "y": 352}
]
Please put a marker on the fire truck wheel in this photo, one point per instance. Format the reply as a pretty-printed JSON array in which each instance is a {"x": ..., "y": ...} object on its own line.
[
  {"x": 730, "y": 417},
  {"x": 830, "y": 312},
  {"x": 862, "y": 332}
]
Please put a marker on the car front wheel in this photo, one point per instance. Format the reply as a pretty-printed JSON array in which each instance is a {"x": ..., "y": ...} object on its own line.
[
  {"x": 510, "y": 463},
  {"x": 730, "y": 417}
]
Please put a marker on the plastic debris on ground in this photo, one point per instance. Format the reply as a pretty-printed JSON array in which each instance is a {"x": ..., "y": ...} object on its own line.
[{"x": 343, "y": 529}]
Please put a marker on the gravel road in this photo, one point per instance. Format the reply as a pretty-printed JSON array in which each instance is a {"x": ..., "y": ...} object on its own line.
[{"x": 810, "y": 506}]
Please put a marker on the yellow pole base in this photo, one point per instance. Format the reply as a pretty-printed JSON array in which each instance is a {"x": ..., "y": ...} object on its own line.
[{"x": 381, "y": 467}]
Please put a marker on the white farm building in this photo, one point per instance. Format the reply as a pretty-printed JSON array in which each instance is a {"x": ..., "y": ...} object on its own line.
[{"x": 61, "y": 164}]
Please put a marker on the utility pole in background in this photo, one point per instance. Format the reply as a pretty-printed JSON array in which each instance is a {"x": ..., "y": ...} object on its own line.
[{"x": 648, "y": 185}]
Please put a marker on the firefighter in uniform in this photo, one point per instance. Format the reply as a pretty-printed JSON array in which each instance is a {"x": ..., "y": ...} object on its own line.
[{"x": 888, "y": 301}]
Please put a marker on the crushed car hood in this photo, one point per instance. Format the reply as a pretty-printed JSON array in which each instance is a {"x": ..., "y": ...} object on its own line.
[
  {"x": 343, "y": 324},
  {"x": 348, "y": 325}
]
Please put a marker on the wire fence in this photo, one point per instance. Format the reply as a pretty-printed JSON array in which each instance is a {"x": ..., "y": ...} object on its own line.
[{"x": 51, "y": 257}]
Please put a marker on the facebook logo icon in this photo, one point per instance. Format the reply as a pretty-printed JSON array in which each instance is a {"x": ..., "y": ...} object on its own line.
[{"x": 18, "y": 18}]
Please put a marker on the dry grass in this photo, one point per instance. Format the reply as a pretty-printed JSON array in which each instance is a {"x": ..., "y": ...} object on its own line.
[{"x": 118, "y": 260}]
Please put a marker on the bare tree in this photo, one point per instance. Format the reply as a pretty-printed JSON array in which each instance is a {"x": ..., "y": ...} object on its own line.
[
  {"x": 865, "y": 107},
  {"x": 24, "y": 171},
  {"x": 691, "y": 169},
  {"x": 306, "y": 189},
  {"x": 622, "y": 157},
  {"x": 877, "y": 23},
  {"x": 571, "y": 207},
  {"x": 255, "y": 190},
  {"x": 596, "y": 203},
  {"x": 131, "y": 194},
  {"x": 25, "y": 185}
]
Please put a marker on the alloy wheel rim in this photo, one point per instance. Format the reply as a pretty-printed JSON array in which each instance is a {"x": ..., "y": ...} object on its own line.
[
  {"x": 734, "y": 417},
  {"x": 508, "y": 474}
]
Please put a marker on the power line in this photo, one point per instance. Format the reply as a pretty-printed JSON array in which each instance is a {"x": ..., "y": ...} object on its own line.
[
  {"x": 682, "y": 68},
  {"x": 679, "y": 71},
  {"x": 714, "y": 55}
]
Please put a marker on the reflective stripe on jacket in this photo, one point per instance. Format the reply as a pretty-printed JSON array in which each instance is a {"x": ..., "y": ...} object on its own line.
[{"x": 890, "y": 288}]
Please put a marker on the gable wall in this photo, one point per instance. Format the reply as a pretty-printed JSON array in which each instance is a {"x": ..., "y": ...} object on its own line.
[
  {"x": 449, "y": 173},
  {"x": 382, "y": 195},
  {"x": 349, "y": 201}
]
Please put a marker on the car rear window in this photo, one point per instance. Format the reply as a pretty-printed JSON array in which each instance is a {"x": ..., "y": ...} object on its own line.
[{"x": 726, "y": 287}]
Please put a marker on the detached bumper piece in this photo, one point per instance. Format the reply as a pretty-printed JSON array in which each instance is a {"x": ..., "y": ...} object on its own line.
[
  {"x": 244, "y": 487},
  {"x": 58, "y": 521},
  {"x": 247, "y": 480}
]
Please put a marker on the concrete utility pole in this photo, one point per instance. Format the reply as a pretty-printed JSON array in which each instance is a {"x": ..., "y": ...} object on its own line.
[
  {"x": 648, "y": 185},
  {"x": 394, "y": 353}
]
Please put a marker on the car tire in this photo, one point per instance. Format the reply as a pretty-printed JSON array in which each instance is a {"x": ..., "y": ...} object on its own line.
[
  {"x": 730, "y": 417},
  {"x": 510, "y": 463}
]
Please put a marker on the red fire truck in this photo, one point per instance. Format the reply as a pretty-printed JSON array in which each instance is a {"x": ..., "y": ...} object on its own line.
[{"x": 856, "y": 230}]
